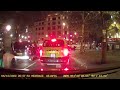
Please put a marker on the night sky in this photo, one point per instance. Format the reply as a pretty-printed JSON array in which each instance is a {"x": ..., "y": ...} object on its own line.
[{"x": 25, "y": 17}]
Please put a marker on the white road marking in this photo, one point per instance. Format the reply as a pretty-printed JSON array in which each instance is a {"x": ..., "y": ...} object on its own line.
[{"x": 30, "y": 65}]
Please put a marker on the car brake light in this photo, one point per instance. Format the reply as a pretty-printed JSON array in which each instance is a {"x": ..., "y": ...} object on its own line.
[
  {"x": 65, "y": 52},
  {"x": 40, "y": 52},
  {"x": 53, "y": 40}
]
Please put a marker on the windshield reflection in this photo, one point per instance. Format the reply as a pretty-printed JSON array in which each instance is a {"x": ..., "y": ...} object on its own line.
[{"x": 60, "y": 42}]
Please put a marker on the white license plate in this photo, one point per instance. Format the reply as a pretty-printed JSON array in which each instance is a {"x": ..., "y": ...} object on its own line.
[
  {"x": 58, "y": 66},
  {"x": 52, "y": 55},
  {"x": 19, "y": 53}
]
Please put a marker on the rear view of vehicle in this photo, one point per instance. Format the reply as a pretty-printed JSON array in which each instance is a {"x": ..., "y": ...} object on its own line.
[
  {"x": 54, "y": 53},
  {"x": 21, "y": 51}
]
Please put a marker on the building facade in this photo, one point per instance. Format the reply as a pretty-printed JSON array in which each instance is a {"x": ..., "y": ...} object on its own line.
[{"x": 53, "y": 26}]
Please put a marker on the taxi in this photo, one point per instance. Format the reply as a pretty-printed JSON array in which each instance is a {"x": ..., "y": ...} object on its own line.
[{"x": 54, "y": 52}]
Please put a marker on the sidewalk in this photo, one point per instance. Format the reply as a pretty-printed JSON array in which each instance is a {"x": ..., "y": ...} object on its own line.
[
  {"x": 95, "y": 65},
  {"x": 102, "y": 67}
]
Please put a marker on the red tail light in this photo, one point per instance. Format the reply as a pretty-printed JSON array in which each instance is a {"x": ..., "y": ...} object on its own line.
[
  {"x": 40, "y": 53},
  {"x": 65, "y": 52}
]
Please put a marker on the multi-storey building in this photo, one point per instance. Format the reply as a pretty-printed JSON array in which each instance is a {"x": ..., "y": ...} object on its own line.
[
  {"x": 67, "y": 25},
  {"x": 54, "y": 25}
]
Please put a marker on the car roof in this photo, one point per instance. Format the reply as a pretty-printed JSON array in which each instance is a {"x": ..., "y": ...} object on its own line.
[{"x": 65, "y": 42}]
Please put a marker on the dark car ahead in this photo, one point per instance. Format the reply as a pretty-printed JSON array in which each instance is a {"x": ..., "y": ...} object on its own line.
[{"x": 23, "y": 51}]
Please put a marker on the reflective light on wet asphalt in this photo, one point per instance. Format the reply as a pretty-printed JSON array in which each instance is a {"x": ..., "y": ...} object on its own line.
[{"x": 30, "y": 65}]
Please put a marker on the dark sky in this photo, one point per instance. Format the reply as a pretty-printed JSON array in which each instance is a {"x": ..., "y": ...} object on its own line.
[{"x": 25, "y": 16}]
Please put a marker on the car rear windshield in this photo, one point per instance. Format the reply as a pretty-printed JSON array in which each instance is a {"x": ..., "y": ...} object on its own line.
[
  {"x": 21, "y": 45},
  {"x": 49, "y": 43}
]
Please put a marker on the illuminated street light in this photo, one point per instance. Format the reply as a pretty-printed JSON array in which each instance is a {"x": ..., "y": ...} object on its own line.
[
  {"x": 25, "y": 37},
  {"x": 22, "y": 36},
  {"x": 8, "y": 27},
  {"x": 46, "y": 35},
  {"x": 11, "y": 35}
]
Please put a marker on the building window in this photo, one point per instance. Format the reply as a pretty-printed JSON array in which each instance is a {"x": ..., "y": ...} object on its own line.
[
  {"x": 48, "y": 23},
  {"x": 53, "y": 23},
  {"x": 48, "y": 28},
  {"x": 42, "y": 23},
  {"x": 58, "y": 22},
  {"x": 38, "y": 33},
  {"x": 54, "y": 18},
  {"x": 42, "y": 28},
  {"x": 49, "y": 33},
  {"x": 58, "y": 17},
  {"x": 65, "y": 17},
  {"x": 48, "y": 19},
  {"x": 65, "y": 32},
  {"x": 53, "y": 33},
  {"x": 39, "y": 28},
  {"x": 36, "y": 28},
  {"x": 39, "y": 23},
  {"x": 53, "y": 27},
  {"x": 42, "y": 39},
  {"x": 59, "y": 27},
  {"x": 42, "y": 33},
  {"x": 59, "y": 33}
]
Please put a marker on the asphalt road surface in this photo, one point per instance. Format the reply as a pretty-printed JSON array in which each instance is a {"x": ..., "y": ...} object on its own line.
[
  {"x": 36, "y": 64},
  {"x": 75, "y": 64}
]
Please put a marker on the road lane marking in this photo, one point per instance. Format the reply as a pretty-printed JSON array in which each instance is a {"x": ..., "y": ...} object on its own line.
[{"x": 30, "y": 65}]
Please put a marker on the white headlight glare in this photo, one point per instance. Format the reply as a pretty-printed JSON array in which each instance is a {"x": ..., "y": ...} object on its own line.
[{"x": 21, "y": 57}]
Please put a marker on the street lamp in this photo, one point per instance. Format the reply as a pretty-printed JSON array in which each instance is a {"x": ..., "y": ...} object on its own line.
[
  {"x": 22, "y": 36},
  {"x": 11, "y": 35},
  {"x": 8, "y": 27},
  {"x": 25, "y": 37},
  {"x": 114, "y": 23},
  {"x": 111, "y": 16},
  {"x": 104, "y": 46}
]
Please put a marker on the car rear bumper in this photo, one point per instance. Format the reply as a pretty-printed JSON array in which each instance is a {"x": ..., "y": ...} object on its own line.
[{"x": 54, "y": 60}]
